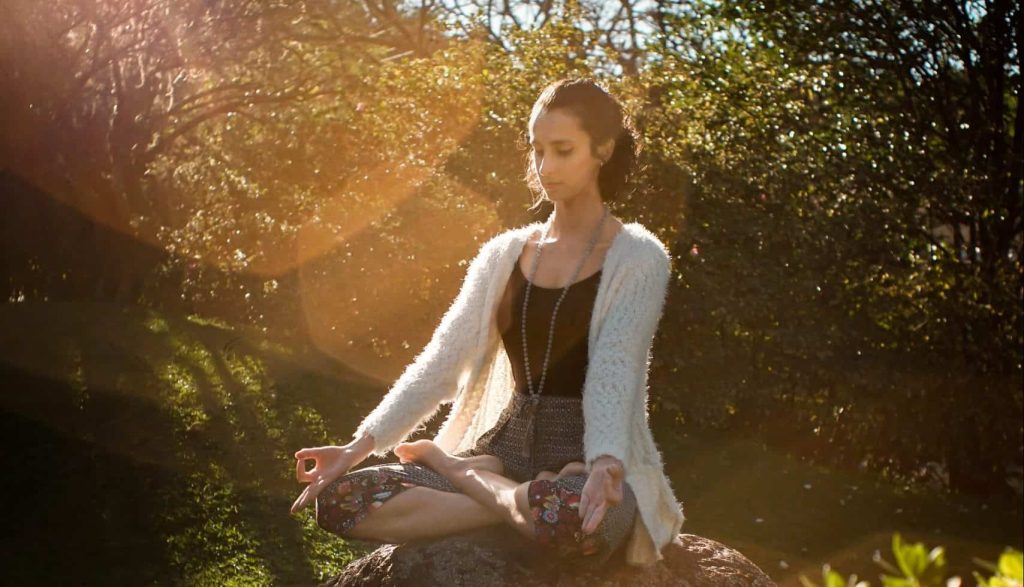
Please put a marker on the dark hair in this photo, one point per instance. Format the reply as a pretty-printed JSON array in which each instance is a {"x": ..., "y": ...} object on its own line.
[{"x": 603, "y": 118}]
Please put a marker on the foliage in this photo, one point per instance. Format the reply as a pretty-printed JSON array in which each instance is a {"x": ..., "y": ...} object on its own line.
[
  {"x": 840, "y": 185},
  {"x": 918, "y": 567},
  {"x": 821, "y": 295}
]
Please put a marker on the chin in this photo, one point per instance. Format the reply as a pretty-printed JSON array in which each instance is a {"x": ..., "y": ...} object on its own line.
[{"x": 560, "y": 194}]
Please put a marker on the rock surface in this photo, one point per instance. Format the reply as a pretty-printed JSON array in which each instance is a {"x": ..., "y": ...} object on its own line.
[{"x": 496, "y": 556}]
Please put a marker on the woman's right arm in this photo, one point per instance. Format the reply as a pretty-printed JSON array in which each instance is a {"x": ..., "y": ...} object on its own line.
[
  {"x": 433, "y": 376},
  {"x": 361, "y": 447}
]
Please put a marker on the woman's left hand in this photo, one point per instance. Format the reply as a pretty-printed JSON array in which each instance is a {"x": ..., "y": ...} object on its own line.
[{"x": 602, "y": 491}]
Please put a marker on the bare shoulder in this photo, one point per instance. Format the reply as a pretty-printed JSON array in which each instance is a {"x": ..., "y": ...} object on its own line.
[
  {"x": 503, "y": 239},
  {"x": 615, "y": 226}
]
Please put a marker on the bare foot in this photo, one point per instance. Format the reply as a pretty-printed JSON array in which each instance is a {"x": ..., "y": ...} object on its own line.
[
  {"x": 486, "y": 463},
  {"x": 573, "y": 468},
  {"x": 427, "y": 453}
]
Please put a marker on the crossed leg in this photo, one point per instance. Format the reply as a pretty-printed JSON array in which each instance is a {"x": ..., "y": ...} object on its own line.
[
  {"x": 498, "y": 494},
  {"x": 486, "y": 498},
  {"x": 422, "y": 512}
]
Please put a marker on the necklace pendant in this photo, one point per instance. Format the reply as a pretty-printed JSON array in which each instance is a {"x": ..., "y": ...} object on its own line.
[{"x": 531, "y": 412}]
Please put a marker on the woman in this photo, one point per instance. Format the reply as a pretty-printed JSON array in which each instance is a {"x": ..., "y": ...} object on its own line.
[{"x": 545, "y": 353}]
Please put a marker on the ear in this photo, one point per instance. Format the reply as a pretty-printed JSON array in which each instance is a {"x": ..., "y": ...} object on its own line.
[{"x": 606, "y": 149}]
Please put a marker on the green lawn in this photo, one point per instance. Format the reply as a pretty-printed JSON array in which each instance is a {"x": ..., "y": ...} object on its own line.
[{"x": 151, "y": 449}]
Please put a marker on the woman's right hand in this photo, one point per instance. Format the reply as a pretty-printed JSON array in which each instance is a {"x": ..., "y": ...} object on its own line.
[{"x": 331, "y": 462}]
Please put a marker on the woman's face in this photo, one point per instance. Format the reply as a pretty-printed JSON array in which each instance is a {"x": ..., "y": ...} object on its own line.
[{"x": 562, "y": 156}]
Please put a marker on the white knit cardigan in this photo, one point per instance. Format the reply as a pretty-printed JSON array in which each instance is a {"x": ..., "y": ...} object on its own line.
[{"x": 465, "y": 363}]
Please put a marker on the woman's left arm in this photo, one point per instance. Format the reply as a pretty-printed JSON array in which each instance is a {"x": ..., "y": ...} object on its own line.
[{"x": 621, "y": 358}]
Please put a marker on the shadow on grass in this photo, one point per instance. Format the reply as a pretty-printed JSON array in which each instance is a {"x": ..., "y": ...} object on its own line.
[{"x": 147, "y": 449}]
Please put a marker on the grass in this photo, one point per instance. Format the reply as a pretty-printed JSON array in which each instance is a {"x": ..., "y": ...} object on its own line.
[{"x": 144, "y": 448}]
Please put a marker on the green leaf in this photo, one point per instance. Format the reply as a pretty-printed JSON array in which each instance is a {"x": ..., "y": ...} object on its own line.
[{"x": 1011, "y": 565}]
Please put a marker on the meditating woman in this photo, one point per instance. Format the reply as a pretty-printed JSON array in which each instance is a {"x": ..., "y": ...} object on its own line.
[{"x": 544, "y": 355}]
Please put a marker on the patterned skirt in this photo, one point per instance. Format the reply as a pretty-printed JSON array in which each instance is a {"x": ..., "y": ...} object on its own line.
[{"x": 554, "y": 440}]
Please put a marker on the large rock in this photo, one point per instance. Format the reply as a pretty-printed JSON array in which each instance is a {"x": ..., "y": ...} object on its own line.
[{"x": 497, "y": 556}]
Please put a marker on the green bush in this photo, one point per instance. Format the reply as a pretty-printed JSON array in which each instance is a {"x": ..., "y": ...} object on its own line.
[{"x": 918, "y": 567}]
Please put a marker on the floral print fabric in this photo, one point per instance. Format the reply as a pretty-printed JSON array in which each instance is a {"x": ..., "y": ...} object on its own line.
[
  {"x": 556, "y": 520},
  {"x": 345, "y": 503}
]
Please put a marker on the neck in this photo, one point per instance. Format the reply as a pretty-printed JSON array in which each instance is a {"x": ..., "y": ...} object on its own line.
[{"x": 575, "y": 219}]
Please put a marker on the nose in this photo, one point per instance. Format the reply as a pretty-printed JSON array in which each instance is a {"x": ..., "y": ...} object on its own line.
[{"x": 544, "y": 168}]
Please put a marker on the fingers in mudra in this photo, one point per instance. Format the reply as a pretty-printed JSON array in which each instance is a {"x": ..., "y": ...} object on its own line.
[
  {"x": 613, "y": 483},
  {"x": 603, "y": 490},
  {"x": 312, "y": 477},
  {"x": 301, "y": 474},
  {"x": 593, "y": 519},
  {"x": 329, "y": 462}
]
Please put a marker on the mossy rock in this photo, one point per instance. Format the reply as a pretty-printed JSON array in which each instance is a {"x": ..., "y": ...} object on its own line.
[{"x": 497, "y": 556}]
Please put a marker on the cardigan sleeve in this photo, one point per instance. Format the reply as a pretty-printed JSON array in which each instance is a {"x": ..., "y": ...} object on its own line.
[
  {"x": 621, "y": 357},
  {"x": 434, "y": 375}
]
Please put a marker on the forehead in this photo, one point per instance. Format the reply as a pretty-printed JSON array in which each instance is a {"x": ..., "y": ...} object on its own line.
[{"x": 554, "y": 127}]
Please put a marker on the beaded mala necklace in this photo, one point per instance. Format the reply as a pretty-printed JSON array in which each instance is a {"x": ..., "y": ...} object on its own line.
[{"x": 535, "y": 396}]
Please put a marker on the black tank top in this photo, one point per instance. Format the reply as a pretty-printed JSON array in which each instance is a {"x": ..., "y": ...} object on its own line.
[{"x": 567, "y": 365}]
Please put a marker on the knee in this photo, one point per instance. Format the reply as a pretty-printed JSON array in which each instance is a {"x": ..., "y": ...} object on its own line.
[
  {"x": 557, "y": 502},
  {"x": 554, "y": 509},
  {"x": 330, "y": 512},
  {"x": 344, "y": 507},
  {"x": 355, "y": 522}
]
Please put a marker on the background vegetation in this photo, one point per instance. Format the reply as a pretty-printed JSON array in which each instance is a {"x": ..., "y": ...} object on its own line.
[{"x": 840, "y": 185}]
